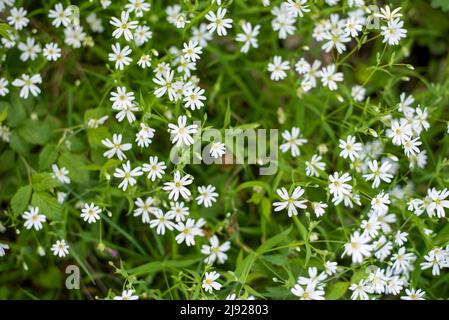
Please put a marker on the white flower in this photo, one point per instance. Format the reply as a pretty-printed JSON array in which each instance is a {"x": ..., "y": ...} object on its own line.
[
  {"x": 335, "y": 39},
  {"x": 61, "y": 196},
  {"x": 172, "y": 13},
  {"x": 218, "y": 22},
  {"x": 61, "y": 174},
  {"x": 28, "y": 84},
  {"x": 144, "y": 208},
  {"x": 95, "y": 23},
  {"x": 52, "y": 52},
  {"x": 116, "y": 147},
  {"x": 122, "y": 99},
  {"x": 302, "y": 66},
  {"x": 413, "y": 294},
  {"x": 4, "y": 87},
  {"x": 284, "y": 22},
  {"x": 358, "y": 247},
  {"x": 207, "y": 195},
  {"x": 154, "y": 168},
  {"x": 318, "y": 208},
  {"x": 380, "y": 203},
  {"x": 127, "y": 175},
  {"x": 215, "y": 251},
  {"x": 312, "y": 73},
  {"x": 74, "y": 36},
  {"x": 292, "y": 141},
  {"x": 60, "y": 248},
  {"x": 127, "y": 295},
  {"x": 209, "y": 282},
  {"x": 193, "y": 98},
  {"x": 3, "y": 248},
  {"x": 248, "y": 37},
  {"x": 290, "y": 202},
  {"x": 192, "y": 50},
  {"x": 387, "y": 14},
  {"x": 123, "y": 26},
  {"x": 411, "y": 147},
  {"x": 144, "y": 136},
  {"x": 278, "y": 68},
  {"x": 403, "y": 261},
  {"x": 310, "y": 292},
  {"x": 188, "y": 231},
  {"x": 90, "y": 213},
  {"x": 138, "y": 6},
  {"x": 30, "y": 49},
  {"x": 201, "y": 34},
  {"x": 18, "y": 18},
  {"x": 33, "y": 219},
  {"x": 370, "y": 227},
  {"x": 142, "y": 34},
  {"x": 297, "y": 7},
  {"x": 338, "y": 186},
  {"x": 378, "y": 173},
  {"x": 331, "y": 267},
  {"x": 177, "y": 187},
  {"x": 435, "y": 260},
  {"x": 165, "y": 82},
  {"x": 144, "y": 61},
  {"x": 161, "y": 222},
  {"x": 120, "y": 56},
  {"x": 400, "y": 238},
  {"x": 60, "y": 15},
  {"x": 329, "y": 77},
  {"x": 405, "y": 104},
  {"x": 360, "y": 290},
  {"x": 314, "y": 165},
  {"x": 437, "y": 203},
  {"x": 393, "y": 32},
  {"x": 358, "y": 93},
  {"x": 181, "y": 134},
  {"x": 353, "y": 25},
  {"x": 178, "y": 211},
  {"x": 350, "y": 148}
]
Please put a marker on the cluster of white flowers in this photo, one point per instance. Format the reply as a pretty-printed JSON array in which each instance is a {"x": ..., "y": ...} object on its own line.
[{"x": 169, "y": 198}]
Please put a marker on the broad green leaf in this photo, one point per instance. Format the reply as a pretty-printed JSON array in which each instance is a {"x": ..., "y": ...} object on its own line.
[
  {"x": 20, "y": 200},
  {"x": 76, "y": 164},
  {"x": 43, "y": 182},
  {"x": 48, "y": 156},
  {"x": 47, "y": 204},
  {"x": 337, "y": 290},
  {"x": 35, "y": 132},
  {"x": 18, "y": 144}
]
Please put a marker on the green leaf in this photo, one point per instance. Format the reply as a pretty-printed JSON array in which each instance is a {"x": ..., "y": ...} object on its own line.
[
  {"x": 337, "y": 290},
  {"x": 48, "y": 156},
  {"x": 94, "y": 136},
  {"x": 443, "y": 235},
  {"x": 35, "y": 132},
  {"x": 18, "y": 144},
  {"x": 274, "y": 241},
  {"x": 156, "y": 266},
  {"x": 76, "y": 164},
  {"x": 4, "y": 28},
  {"x": 20, "y": 200},
  {"x": 443, "y": 4},
  {"x": 47, "y": 204},
  {"x": 3, "y": 115},
  {"x": 43, "y": 182}
]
